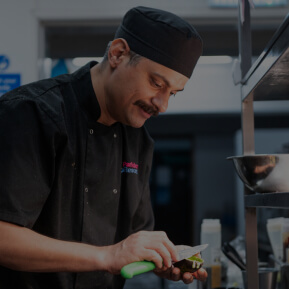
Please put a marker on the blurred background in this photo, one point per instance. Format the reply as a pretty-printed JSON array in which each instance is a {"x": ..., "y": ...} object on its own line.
[{"x": 191, "y": 178}]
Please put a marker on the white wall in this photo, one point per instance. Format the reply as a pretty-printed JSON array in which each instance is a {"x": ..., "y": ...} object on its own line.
[
  {"x": 211, "y": 88},
  {"x": 197, "y": 9},
  {"x": 18, "y": 32}
]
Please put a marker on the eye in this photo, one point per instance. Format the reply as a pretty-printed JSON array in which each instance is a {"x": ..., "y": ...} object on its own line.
[
  {"x": 156, "y": 84},
  {"x": 173, "y": 93}
]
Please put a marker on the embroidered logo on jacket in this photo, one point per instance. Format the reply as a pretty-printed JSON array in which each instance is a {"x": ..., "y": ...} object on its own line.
[{"x": 130, "y": 168}]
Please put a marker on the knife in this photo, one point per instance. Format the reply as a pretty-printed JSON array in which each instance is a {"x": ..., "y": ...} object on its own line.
[{"x": 136, "y": 268}]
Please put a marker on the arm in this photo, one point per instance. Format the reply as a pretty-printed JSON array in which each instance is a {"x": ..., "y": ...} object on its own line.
[{"x": 25, "y": 250}]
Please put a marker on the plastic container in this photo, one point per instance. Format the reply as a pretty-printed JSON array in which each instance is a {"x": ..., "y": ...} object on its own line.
[
  {"x": 211, "y": 234},
  {"x": 274, "y": 229},
  {"x": 278, "y": 232}
]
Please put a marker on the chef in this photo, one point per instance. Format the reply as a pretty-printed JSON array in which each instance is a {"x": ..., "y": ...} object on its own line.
[{"x": 75, "y": 161}]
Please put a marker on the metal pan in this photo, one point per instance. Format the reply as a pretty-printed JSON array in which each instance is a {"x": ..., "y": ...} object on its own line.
[{"x": 263, "y": 173}]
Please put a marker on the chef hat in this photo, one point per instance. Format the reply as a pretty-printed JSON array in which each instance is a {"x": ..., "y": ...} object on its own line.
[{"x": 162, "y": 37}]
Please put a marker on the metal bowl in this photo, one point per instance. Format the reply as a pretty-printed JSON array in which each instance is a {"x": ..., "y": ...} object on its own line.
[{"x": 263, "y": 173}]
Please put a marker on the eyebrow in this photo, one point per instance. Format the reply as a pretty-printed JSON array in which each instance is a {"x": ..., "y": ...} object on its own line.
[{"x": 165, "y": 81}]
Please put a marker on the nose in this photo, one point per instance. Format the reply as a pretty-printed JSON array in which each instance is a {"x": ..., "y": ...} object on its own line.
[{"x": 161, "y": 102}]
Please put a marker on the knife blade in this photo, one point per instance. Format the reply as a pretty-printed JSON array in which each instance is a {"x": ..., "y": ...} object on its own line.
[
  {"x": 140, "y": 267},
  {"x": 187, "y": 251}
]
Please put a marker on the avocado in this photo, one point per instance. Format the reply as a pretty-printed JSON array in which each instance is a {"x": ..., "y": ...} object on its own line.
[{"x": 191, "y": 264}]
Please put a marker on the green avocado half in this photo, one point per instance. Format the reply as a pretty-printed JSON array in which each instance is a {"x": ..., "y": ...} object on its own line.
[{"x": 191, "y": 264}]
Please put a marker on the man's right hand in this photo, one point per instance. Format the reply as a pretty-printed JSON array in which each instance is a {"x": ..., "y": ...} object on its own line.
[{"x": 144, "y": 245}]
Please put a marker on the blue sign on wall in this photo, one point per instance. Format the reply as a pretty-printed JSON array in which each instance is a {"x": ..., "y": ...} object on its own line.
[
  {"x": 9, "y": 82},
  {"x": 4, "y": 62}
]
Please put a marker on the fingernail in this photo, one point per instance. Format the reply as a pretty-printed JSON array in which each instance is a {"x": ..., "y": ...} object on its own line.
[{"x": 202, "y": 270}]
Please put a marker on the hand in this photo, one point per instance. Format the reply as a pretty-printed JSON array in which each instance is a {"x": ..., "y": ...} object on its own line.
[
  {"x": 175, "y": 274},
  {"x": 144, "y": 245}
]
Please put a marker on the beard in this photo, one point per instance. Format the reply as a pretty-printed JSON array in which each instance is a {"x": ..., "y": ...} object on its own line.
[{"x": 150, "y": 109}]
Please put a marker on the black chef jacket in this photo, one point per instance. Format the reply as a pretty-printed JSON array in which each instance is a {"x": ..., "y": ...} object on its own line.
[{"x": 67, "y": 176}]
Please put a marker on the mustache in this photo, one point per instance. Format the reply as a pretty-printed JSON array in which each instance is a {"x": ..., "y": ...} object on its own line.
[{"x": 150, "y": 109}]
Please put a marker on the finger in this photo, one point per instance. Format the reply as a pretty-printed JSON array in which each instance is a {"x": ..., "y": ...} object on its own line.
[
  {"x": 175, "y": 274},
  {"x": 159, "y": 242},
  {"x": 145, "y": 245},
  {"x": 173, "y": 252},
  {"x": 152, "y": 255},
  {"x": 172, "y": 249},
  {"x": 163, "y": 246},
  {"x": 167, "y": 274},
  {"x": 201, "y": 274},
  {"x": 161, "y": 270},
  {"x": 165, "y": 255},
  {"x": 188, "y": 278}
]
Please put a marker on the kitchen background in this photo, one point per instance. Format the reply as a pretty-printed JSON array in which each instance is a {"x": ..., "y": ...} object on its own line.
[{"x": 191, "y": 178}]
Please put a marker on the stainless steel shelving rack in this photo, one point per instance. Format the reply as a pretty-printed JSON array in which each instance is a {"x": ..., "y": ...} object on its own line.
[{"x": 267, "y": 79}]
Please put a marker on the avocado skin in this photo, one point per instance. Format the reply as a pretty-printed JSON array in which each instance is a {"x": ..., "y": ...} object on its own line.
[{"x": 185, "y": 265}]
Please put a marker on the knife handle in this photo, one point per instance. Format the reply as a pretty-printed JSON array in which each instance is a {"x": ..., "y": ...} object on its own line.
[{"x": 136, "y": 268}]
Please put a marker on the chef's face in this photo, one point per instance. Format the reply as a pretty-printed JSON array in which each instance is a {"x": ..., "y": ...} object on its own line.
[{"x": 137, "y": 91}]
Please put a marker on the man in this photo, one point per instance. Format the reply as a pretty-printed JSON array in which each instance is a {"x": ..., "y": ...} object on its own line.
[{"x": 75, "y": 162}]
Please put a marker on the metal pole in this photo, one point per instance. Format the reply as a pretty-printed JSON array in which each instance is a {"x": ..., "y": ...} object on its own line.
[
  {"x": 245, "y": 56},
  {"x": 245, "y": 45}
]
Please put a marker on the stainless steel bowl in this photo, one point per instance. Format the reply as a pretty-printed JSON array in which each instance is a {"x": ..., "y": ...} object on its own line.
[{"x": 263, "y": 173}]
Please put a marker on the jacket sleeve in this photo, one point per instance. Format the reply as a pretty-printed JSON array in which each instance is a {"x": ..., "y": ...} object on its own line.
[{"x": 26, "y": 160}]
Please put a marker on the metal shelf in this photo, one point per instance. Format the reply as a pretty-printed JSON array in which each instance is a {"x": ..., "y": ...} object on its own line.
[
  {"x": 267, "y": 79},
  {"x": 268, "y": 200}
]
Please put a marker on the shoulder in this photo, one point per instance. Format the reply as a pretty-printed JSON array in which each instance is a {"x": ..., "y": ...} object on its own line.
[
  {"x": 35, "y": 90},
  {"x": 41, "y": 97}
]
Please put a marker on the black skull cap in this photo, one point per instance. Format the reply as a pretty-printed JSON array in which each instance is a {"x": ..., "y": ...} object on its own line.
[{"x": 162, "y": 37}]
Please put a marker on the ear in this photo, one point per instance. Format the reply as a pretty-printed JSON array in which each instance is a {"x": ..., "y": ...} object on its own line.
[{"x": 118, "y": 50}]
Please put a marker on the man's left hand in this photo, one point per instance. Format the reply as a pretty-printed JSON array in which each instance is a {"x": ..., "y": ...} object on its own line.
[{"x": 175, "y": 274}]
